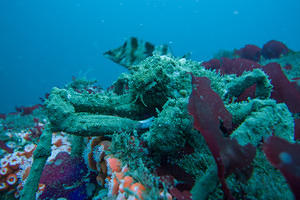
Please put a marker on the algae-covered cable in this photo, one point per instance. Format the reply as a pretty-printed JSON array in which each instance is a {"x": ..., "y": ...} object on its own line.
[
  {"x": 40, "y": 156},
  {"x": 240, "y": 84},
  {"x": 99, "y": 125},
  {"x": 67, "y": 115}
]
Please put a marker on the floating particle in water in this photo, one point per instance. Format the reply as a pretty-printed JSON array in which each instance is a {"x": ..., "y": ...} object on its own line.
[{"x": 235, "y": 12}]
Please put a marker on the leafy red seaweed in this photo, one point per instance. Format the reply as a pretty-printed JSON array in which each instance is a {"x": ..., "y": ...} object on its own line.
[
  {"x": 208, "y": 111},
  {"x": 285, "y": 156},
  {"x": 27, "y": 110},
  {"x": 2, "y": 116},
  {"x": 231, "y": 66},
  {"x": 274, "y": 49},
  {"x": 283, "y": 90},
  {"x": 250, "y": 52},
  {"x": 297, "y": 129}
]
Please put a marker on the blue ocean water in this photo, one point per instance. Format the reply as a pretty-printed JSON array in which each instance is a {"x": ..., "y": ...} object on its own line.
[{"x": 44, "y": 43}]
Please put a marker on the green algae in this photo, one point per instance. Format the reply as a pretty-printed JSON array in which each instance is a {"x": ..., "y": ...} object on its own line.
[
  {"x": 77, "y": 146},
  {"x": 40, "y": 156},
  {"x": 257, "y": 125},
  {"x": 241, "y": 83},
  {"x": 170, "y": 129},
  {"x": 62, "y": 105},
  {"x": 160, "y": 86},
  {"x": 128, "y": 148}
]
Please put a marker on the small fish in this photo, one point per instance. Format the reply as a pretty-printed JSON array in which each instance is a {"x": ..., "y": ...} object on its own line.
[{"x": 134, "y": 50}]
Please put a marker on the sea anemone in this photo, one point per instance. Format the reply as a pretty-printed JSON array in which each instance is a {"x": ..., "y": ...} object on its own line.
[{"x": 11, "y": 179}]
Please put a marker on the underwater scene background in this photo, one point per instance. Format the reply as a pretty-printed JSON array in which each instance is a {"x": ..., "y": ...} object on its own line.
[
  {"x": 149, "y": 99},
  {"x": 44, "y": 43}
]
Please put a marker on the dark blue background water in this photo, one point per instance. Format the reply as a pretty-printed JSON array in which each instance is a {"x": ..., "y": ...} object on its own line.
[{"x": 44, "y": 42}]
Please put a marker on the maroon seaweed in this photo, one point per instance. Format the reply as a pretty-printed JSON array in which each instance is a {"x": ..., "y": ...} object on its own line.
[
  {"x": 285, "y": 157},
  {"x": 283, "y": 90},
  {"x": 208, "y": 111},
  {"x": 274, "y": 49},
  {"x": 297, "y": 129},
  {"x": 250, "y": 52},
  {"x": 237, "y": 66},
  {"x": 231, "y": 66},
  {"x": 27, "y": 110},
  {"x": 212, "y": 64},
  {"x": 2, "y": 116}
]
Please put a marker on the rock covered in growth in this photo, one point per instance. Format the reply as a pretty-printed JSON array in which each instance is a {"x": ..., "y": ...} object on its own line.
[
  {"x": 256, "y": 77},
  {"x": 150, "y": 85},
  {"x": 254, "y": 122},
  {"x": 158, "y": 78},
  {"x": 160, "y": 86},
  {"x": 170, "y": 129}
]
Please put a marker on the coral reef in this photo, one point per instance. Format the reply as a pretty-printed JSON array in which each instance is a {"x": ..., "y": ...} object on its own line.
[
  {"x": 160, "y": 87},
  {"x": 170, "y": 128}
]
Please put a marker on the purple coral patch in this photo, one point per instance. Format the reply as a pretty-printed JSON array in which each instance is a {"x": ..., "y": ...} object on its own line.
[{"x": 63, "y": 177}]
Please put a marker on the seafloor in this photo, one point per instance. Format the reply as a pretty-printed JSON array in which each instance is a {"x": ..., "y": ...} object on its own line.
[{"x": 169, "y": 128}]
